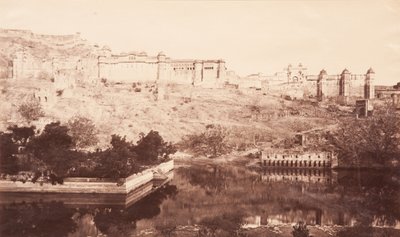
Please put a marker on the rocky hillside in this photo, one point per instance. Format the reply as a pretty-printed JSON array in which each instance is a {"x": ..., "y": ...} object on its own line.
[
  {"x": 41, "y": 46},
  {"x": 175, "y": 112}
]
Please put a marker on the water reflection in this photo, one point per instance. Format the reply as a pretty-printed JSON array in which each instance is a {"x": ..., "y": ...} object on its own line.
[
  {"x": 46, "y": 217},
  {"x": 222, "y": 194},
  {"x": 321, "y": 197}
]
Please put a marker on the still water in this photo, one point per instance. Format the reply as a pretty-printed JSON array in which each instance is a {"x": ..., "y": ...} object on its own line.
[{"x": 258, "y": 197}]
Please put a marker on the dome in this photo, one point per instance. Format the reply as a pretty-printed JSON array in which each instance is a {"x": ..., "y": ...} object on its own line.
[
  {"x": 370, "y": 70},
  {"x": 345, "y": 71},
  {"x": 300, "y": 65},
  {"x": 323, "y": 72},
  {"x": 161, "y": 53}
]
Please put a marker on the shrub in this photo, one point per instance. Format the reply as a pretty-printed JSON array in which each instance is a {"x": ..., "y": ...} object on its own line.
[{"x": 31, "y": 110}]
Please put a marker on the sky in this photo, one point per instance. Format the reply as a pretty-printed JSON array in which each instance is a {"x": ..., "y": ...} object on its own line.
[{"x": 251, "y": 36}]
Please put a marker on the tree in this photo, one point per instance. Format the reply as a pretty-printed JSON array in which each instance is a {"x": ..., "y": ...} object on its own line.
[
  {"x": 83, "y": 132},
  {"x": 152, "y": 147},
  {"x": 22, "y": 134},
  {"x": 376, "y": 137},
  {"x": 211, "y": 142},
  {"x": 31, "y": 111},
  {"x": 8, "y": 163},
  {"x": 53, "y": 146},
  {"x": 119, "y": 161}
]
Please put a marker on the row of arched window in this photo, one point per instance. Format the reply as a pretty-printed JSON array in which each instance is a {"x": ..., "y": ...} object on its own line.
[
  {"x": 296, "y": 172},
  {"x": 296, "y": 156},
  {"x": 299, "y": 164}
]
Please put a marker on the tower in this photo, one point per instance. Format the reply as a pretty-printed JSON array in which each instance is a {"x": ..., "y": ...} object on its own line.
[
  {"x": 161, "y": 69},
  {"x": 369, "y": 90},
  {"x": 221, "y": 69},
  {"x": 321, "y": 77},
  {"x": 198, "y": 72},
  {"x": 343, "y": 83}
]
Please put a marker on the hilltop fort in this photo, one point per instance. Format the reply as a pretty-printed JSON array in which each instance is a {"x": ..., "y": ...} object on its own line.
[{"x": 69, "y": 58}]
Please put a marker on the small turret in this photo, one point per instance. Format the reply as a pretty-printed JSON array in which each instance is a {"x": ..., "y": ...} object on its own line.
[
  {"x": 161, "y": 57},
  {"x": 321, "y": 77},
  {"x": 369, "y": 88},
  {"x": 161, "y": 71},
  {"x": 343, "y": 82}
]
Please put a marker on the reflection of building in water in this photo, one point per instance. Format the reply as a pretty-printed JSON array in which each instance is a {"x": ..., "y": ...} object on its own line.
[
  {"x": 311, "y": 216},
  {"x": 304, "y": 160},
  {"x": 299, "y": 175},
  {"x": 251, "y": 222}
]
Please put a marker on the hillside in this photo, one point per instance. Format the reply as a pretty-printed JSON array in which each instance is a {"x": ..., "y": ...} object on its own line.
[
  {"x": 179, "y": 110},
  {"x": 39, "y": 46}
]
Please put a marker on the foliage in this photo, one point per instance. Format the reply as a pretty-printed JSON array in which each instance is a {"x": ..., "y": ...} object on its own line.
[
  {"x": 124, "y": 158},
  {"x": 37, "y": 219},
  {"x": 53, "y": 150},
  {"x": 227, "y": 224},
  {"x": 375, "y": 137},
  {"x": 152, "y": 148},
  {"x": 121, "y": 222},
  {"x": 83, "y": 132},
  {"x": 31, "y": 111},
  {"x": 300, "y": 230},
  {"x": 118, "y": 161},
  {"x": 211, "y": 142},
  {"x": 22, "y": 134},
  {"x": 8, "y": 163},
  {"x": 53, "y": 146}
]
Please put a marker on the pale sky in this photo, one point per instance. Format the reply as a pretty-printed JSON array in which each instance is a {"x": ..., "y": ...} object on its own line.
[{"x": 252, "y": 36}]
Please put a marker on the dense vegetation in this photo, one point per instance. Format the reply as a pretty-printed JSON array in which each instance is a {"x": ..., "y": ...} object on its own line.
[
  {"x": 55, "y": 150},
  {"x": 369, "y": 141}
]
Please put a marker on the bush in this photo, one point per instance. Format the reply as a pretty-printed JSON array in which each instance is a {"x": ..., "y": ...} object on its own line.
[
  {"x": 211, "y": 142},
  {"x": 31, "y": 111},
  {"x": 83, "y": 132},
  {"x": 300, "y": 230}
]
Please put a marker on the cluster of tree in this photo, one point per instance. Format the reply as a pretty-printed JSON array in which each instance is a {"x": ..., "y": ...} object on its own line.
[
  {"x": 211, "y": 142},
  {"x": 124, "y": 158},
  {"x": 55, "y": 149},
  {"x": 374, "y": 139}
]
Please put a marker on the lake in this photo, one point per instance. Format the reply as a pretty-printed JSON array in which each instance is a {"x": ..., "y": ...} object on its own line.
[{"x": 203, "y": 194}]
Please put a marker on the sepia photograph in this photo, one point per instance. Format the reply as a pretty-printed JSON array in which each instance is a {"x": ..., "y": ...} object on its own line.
[{"x": 215, "y": 118}]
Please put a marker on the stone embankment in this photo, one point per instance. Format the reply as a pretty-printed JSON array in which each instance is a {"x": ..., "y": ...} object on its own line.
[{"x": 92, "y": 185}]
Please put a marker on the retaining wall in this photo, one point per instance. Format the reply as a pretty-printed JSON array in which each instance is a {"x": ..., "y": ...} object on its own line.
[{"x": 89, "y": 185}]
